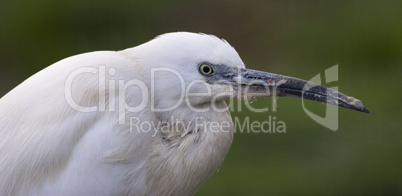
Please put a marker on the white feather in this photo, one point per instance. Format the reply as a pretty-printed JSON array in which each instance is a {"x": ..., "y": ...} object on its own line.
[{"x": 48, "y": 148}]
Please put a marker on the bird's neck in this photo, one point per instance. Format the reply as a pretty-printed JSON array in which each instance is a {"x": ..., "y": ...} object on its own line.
[{"x": 187, "y": 149}]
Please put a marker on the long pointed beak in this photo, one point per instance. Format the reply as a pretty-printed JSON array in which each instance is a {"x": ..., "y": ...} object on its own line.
[{"x": 259, "y": 84}]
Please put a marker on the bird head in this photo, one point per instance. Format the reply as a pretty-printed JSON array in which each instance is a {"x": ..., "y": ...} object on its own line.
[{"x": 199, "y": 69}]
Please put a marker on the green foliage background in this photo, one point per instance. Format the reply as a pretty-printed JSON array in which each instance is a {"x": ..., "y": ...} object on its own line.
[{"x": 295, "y": 38}]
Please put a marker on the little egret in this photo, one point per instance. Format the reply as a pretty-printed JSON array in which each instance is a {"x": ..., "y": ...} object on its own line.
[{"x": 148, "y": 120}]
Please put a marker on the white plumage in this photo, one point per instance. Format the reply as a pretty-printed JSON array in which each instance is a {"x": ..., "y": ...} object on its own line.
[{"x": 49, "y": 146}]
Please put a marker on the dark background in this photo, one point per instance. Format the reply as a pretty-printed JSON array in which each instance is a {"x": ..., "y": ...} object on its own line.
[{"x": 296, "y": 38}]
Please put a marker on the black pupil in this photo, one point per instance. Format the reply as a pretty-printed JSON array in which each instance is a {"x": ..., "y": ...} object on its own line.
[{"x": 206, "y": 69}]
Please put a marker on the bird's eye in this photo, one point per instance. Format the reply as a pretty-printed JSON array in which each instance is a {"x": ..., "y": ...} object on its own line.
[{"x": 206, "y": 69}]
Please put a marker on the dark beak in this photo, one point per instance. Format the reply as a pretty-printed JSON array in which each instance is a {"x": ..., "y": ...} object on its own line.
[{"x": 262, "y": 84}]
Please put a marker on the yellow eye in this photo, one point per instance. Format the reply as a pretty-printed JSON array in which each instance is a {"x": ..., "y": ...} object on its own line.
[{"x": 206, "y": 69}]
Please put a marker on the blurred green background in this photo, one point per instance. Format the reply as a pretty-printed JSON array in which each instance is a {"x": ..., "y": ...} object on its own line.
[{"x": 295, "y": 38}]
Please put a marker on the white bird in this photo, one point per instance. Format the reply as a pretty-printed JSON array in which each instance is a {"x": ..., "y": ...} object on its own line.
[{"x": 131, "y": 122}]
